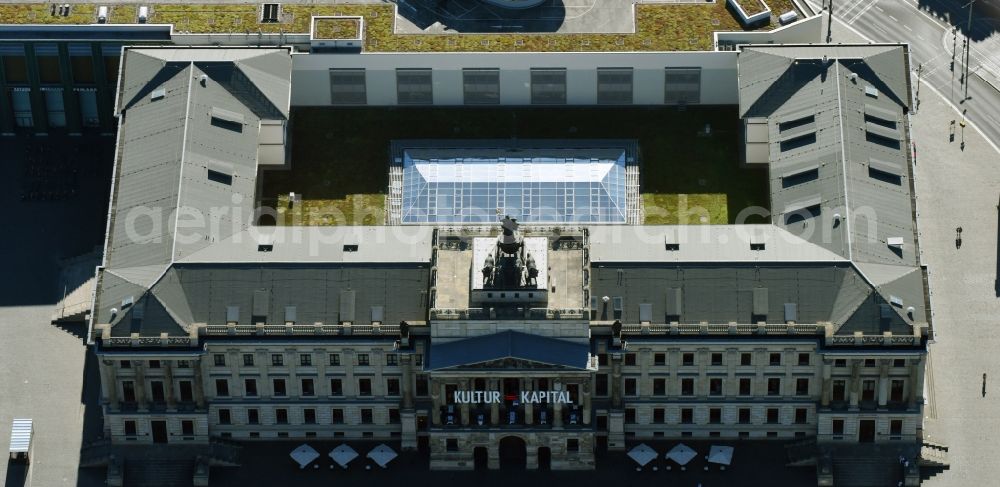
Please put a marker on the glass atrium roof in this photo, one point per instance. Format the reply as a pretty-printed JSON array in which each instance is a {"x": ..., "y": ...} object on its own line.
[{"x": 477, "y": 189}]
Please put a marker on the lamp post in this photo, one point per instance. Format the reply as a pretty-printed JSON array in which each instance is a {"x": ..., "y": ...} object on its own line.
[{"x": 968, "y": 47}]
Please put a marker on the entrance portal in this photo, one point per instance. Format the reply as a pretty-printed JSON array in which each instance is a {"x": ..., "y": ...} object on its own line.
[
  {"x": 159, "y": 431},
  {"x": 866, "y": 431},
  {"x": 513, "y": 453},
  {"x": 544, "y": 458},
  {"x": 481, "y": 458}
]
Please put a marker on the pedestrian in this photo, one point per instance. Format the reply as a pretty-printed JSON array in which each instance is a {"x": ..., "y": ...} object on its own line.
[{"x": 984, "y": 384}]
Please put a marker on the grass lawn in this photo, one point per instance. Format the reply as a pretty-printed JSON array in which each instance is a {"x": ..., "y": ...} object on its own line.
[{"x": 340, "y": 156}]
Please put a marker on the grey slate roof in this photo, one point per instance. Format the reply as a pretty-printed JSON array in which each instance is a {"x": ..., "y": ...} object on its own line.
[{"x": 508, "y": 344}]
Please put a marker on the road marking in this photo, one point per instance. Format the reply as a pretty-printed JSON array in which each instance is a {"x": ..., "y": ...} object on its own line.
[
  {"x": 863, "y": 11},
  {"x": 920, "y": 37},
  {"x": 879, "y": 8},
  {"x": 907, "y": 27},
  {"x": 894, "y": 19},
  {"x": 935, "y": 90}
]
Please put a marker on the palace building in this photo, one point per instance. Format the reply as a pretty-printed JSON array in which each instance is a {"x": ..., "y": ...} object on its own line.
[{"x": 513, "y": 307}]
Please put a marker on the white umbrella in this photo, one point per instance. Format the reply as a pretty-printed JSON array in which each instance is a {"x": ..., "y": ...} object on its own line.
[
  {"x": 382, "y": 455},
  {"x": 722, "y": 455},
  {"x": 643, "y": 454},
  {"x": 304, "y": 455},
  {"x": 343, "y": 455},
  {"x": 682, "y": 454}
]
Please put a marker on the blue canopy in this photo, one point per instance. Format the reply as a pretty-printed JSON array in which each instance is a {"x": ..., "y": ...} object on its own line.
[{"x": 509, "y": 344}]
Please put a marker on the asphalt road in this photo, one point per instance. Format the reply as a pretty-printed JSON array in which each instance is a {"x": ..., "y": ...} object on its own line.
[{"x": 936, "y": 50}]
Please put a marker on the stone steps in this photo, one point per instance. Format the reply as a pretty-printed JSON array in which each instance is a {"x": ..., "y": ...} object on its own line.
[
  {"x": 159, "y": 473},
  {"x": 866, "y": 472}
]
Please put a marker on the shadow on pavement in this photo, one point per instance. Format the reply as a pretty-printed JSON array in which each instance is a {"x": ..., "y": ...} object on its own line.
[{"x": 985, "y": 17}]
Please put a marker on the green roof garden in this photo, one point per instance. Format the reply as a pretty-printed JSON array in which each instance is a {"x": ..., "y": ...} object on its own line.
[{"x": 659, "y": 27}]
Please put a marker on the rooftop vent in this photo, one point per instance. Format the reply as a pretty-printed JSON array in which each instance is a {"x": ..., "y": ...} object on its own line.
[
  {"x": 895, "y": 242},
  {"x": 232, "y": 314},
  {"x": 791, "y": 312},
  {"x": 291, "y": 313},
  {"x": 265, "y": 247},
  {"x": 871, "y": 91},
  {"x": 645, "y": 312},
  {"x": 102, "y": 14},
  {"x": 673, "y": 246},
  {"x": 378, "y": 314},
  {"x": 158, "y": 94},
  {"x": 896, "y": 301},
  {"x": 143, "y": 14},
  {"x": 350, "y": 247},
  {"x": 127, "y": 301}
]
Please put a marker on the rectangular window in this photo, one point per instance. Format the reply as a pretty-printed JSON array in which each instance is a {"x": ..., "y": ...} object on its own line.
[
  {"x": 687, "y": 416},
  {"x": 347, "y": 87},
  {"x": 744, "y": 386},
  {"x": 801, "y": 415},
  {"x": 281, "y": 416},
  {"x": 125, "y": 364},
  {"x": 335, "y": 359},
  {"x": 82, "y": 68},
  {"x": 220, "y": 360},
  {"x": 869, "y": 363},
  {"x": 248, "y": 360},
  {"x": 414, "y": 87},
  {"x": 451, "y": 444},
  {"x": 630, "y": 416},
  {"x": 394, "y": 416},
  {"x": 548, "y": 86},
  {"x": 660, "y": 359},
  {"x": 896, "y": 427},
  {"x": 682, "y": 86},
  {"x": 187, "y": 427},
  {"x": 659, "y": 387},
  {"x": 838, "y": 427},
  {"x": 224, "y": 417},
  {"x": 481, "y": 86},
  {"x": 15, "y": 69},
  {"x": 422, "y": 386},
  {"x": 363, "y": 359},
  {"x": 601, "y": 384},
  {"x": 773, "y": 386},
  {"x": 48, "y": 69},
  {"x": 220, "y": 177},
  {"x": 337, "y": 416},
  {"x": 366, "y": 416},
  {"x": 392, "y": 387},
  {"x": 186, "y": 390},
  {"x": 253, "y": 416},
  {"x": 744, "y": 416},
  {"x": 804, "y": 359},
  {"x": 183, "y": 364},
  {"x": 629, "y": 359},
  {"x": 614, "y": 86},
  {"x": 687, "y": 359},
  {"x": 746, "y": 359},
  {"x": 279, "y": 387},
  {"x": 896, "y": 390},
  {"x": 309, "y": 416},
  {"x": 251, "y": 387},
  {"x": 839, "y": 390},
  {"x": 277, "y": 360},
  {"x": 308, "y": 389},
  {"x": 391, "y": 360},
  {"x": 715, "y": 387},
  {"x": 305, "y": 359},
  {"x": 336, "y": 387},
  {"x": 572, "y": 445},
  {"x": 630, "y": 387},
  {"x": 868, "y": 390},
  {"x": 221, "y": 387},
  {"x": 715, "y": 415},
  {"x": 659, "y": 415},
  {"x": 802, "y": 387},
  {"x": 772, "y": 415},
  {"x": 899, "y": 362},
  {"x": 154, "y": 364},
  {"x": 128, "y": 391},
  {"x": 364, "y": 387},
  {"x": 687, "y": 387},
  {"x": 130, "y": 428},
  {"x": 840, "y": 363},
  {"x": 716, "y": 359},
  {"x": 775, "y": 359}
]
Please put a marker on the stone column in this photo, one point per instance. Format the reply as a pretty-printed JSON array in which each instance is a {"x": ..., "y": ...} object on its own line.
[
  {"x": 109, "y": 382},
  {"x": 140, "y": 384},
  {"x": 616, "y": 380},
  {"x": 495, "y": 406},
  {"x": 760, "y": 362},
  {"x": 917, "y": 372},
  {"x": 437, "y": 396},
  {"x": 263, "y": 361},
  {"x": 883, "y": 383},
  {"x": 406, "y": 381},
  {"x": 529, "y": 409},
  {"x": 827, "y": 384},
  {"x": 464, "y": 407},
  {"x": 855, "y": 382},
  {"x": 199, "y": 387},
  {"x": 168, "y": 383},
  {"x": 731, "y": 387},
  {"x": 557, "y": 419},
  {"x": 702, "y": 360},
  {"x": 585, "y": 395}
]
